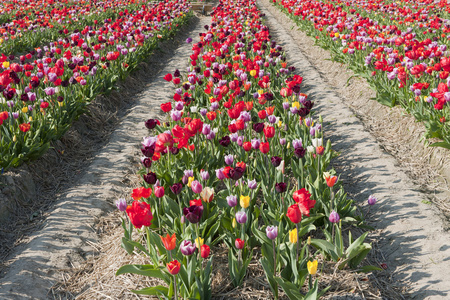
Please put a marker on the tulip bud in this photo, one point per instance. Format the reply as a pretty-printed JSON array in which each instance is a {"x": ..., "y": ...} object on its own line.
[
  {"x": 244, "y": 201},
  {"x": 293, "y": 236},
  {"x": 204, "y": 251},
  {"x": 239, "y": 244},
  {"x": 196, "y": 187},
  {"x": 121, "y": 204},
  {"x": 187, "y": 248},
  {"x": 372, "y": 200},
  {"x": 241, "y": 217},
  {"x": 312, "y": 267},
  {"x": 272, "y": 232},
  {"x": 232, "y": 200},
  {"x": 334, "y": 217},
  {"x": 173, "y": 267}
]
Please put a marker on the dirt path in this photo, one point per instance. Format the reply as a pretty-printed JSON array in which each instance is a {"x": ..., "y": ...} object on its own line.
[
  {"x": 413, "y": 240},
  {"x": 67, "y": 237}
]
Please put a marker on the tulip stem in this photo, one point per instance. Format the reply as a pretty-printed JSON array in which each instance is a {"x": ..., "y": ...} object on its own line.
[
  {"x": 239, "y": 259},
  {"x": 296, "y": 226},
  {"x": 175, "y": 287},
  {"x": 332, "y": 234},
  {"x": 274, "y": 259}
]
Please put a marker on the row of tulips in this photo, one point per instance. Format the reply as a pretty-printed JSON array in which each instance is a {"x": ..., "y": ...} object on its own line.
[
  {"x": 401, "y": 51},
  {"x": 49, "y": 88},
  {"x": 34, "y": 23},
  {"x": 241, "y": 162}
]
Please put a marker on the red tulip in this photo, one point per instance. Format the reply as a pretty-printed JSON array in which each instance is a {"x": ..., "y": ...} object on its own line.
[
  {"x": 168, "y": 77},
  {"x": 204, "y": 251},
  {"x": 170, "y": 242},
  {"x": 174, "y": 267},
  {"x": 294, "y": 214},
  {"x": 269, "y": 132},
  {"x": 166, "y": 107},
  {"x": 262, "y": 114},
  {"x": 140, "y": 214},
  {"x": 247, "y": 146},
  {"x": 239, "y": 244},
  {"x": 264, "y": 147},
  {"x": 196, "y": 202},
  {"x": 159, "y": 191}
]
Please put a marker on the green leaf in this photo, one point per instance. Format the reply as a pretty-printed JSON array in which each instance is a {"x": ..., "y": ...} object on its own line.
[
  {"x": 441, "y": 144},
  {"x": 291, "y": 290},
  {"x": 269, "y": 275},
  {"x": 145, "y": 270},
  {"x": 155, "y": 291},
  {"x": 325, "y": 246},
  {"x": 367, "y": 269}
]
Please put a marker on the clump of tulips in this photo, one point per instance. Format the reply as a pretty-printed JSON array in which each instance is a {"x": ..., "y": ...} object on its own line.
[
  {"x": 42, "y": 92},
  {"x": 241, "y": 160},
  {"x": 402, "y": 54}
]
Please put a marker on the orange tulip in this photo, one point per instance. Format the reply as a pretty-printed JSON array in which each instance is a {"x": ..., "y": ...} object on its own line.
[{"x": 169, "y": 242}]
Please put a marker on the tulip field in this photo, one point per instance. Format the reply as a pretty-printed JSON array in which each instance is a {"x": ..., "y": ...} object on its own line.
[
  {"x": 46, "y": 88},
  {"x": 401, "y": 49},
  {"x": 239, "y": 157}
]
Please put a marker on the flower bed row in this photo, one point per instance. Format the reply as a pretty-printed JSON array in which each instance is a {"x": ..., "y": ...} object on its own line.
[
  {"x": 46, "y": 91},
  {"x": 241, "y": 161},
  {"x": 400, "y": 50},
  {"x": 35, "y": 23}
]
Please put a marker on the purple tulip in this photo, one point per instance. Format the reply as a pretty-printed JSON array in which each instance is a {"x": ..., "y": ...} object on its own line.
[
  {"x": 280, "y": 187},
  {"x": 236, "y": 173},
  {"x": 193, "y": 213},
  {"x": 372, "y": 200},
  {"x": 204, "y": 175},
  {"x": 150, "y": 178},
  {"x": 241, "y": 217},
  {"x": 232, "y": 200},
  {"x": 176, "y": 188},
  {"x": 196, "y": 187},
  {"x": 187, "y": 248},
  {"x": 334, "y": 217},
  {"x": 229, "y": 159},
  {"x": 219, "y": 174},
  {"x": 272, "y": 232},
  {"x": 276, "y": 161},
  {"x": 252, "y": 184},
  {"x": 121, "y": 204},
  {"x": 256, "y": 143},
  {"x": 225, "y": 141},
  {"x": 151, "y": 123}
]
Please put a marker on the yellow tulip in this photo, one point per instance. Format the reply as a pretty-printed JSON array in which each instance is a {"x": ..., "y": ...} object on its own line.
[
  {"x": 312, "y": 267},
  {"x": 296, "y": 104},
  {"x": 253, "y": 73},
  {"x": 309, "y": 240},
  {"x": 293, "y": 236},
  {"x": 190, "y": 181},
  {"x": 30, "y": 119},
  {"x": 6, "y": 64},
  {"x": 24, "y": 109},
  {"x": 199, "y": 242},
  {"x": 234, "y": 223},
  {"x": 260, "y": 92},
  {"x": 336, "y": 34},
  {"x": 14, "y": 139},
  {"x": 244, "y": 201}
]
